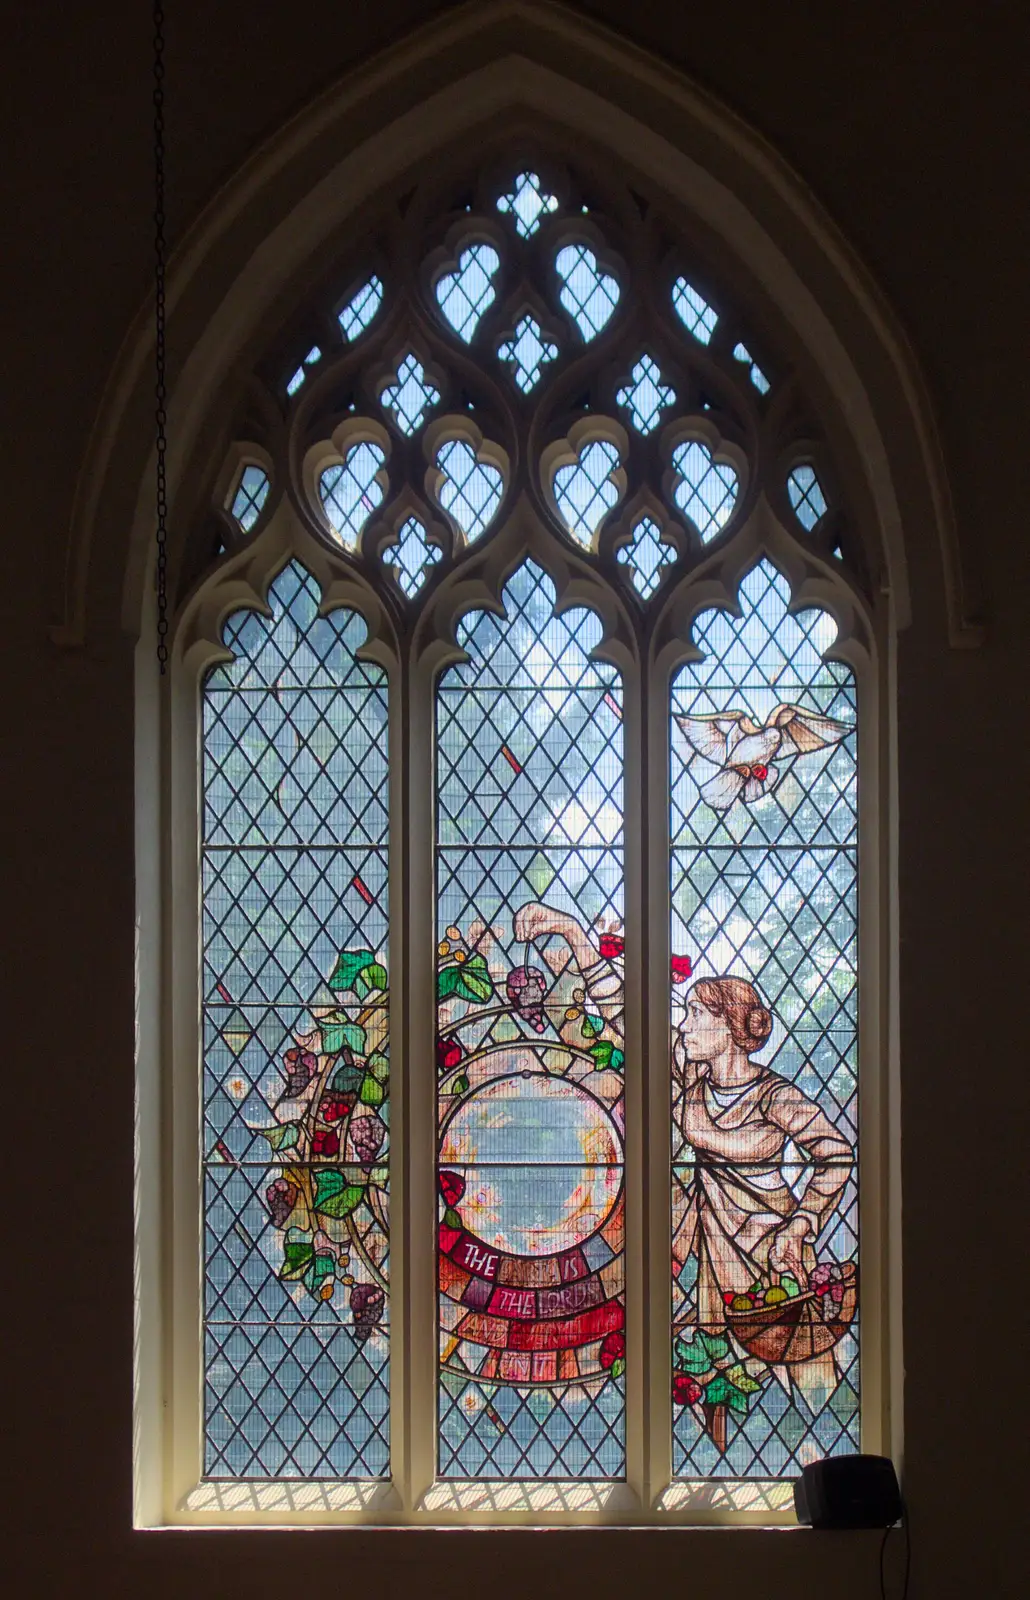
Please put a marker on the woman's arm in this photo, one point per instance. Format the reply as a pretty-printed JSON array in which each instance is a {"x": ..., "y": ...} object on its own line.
[
  {"x": 832, "y": 1159},
  {"x": 537, "y": 921},
  {"x": 603, "y": 982}
]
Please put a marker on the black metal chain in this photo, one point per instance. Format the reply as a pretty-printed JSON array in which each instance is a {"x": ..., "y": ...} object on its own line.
[{"x": 160, "y": 387}]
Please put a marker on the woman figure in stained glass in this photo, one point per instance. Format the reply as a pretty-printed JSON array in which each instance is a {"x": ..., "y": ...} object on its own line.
[{"x": 751, "y": 1132}]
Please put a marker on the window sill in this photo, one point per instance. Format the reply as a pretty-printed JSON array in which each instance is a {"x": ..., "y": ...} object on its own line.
[{"x": 457, "y": 1504}]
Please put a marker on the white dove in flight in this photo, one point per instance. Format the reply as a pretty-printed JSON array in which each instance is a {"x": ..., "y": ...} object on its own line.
[{"x": 742, "y": 752}]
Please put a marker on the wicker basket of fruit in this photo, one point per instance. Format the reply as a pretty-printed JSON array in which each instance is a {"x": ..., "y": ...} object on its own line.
[{"x": 782, "y": 1323}]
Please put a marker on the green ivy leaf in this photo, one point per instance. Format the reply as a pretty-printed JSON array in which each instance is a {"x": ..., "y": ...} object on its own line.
[
  {"x": 474, "y": 980},
  {"x": 447, "y": 982},
  {"x": 460, "y": 1084},
  {"x": 321, "y": 1268},
  {"x": 379, "y": 1065},
  {"x": 718, "y": 1392},
  {"x": 607, "y": 1055},
  {"x": 369, "y": 978},
  {"x": 592, "y": 1026},
  {"x": 282, "y": 1137},
  {"x": 298, "y": 1257},
  {"x": 347, "y": 1079},
  {"x": 742, "y": 1381},
  {"x": 372, "y": 1092},
  {"x": 338, "y": 1031},
  {"x": 691, "y": 1356},
  {"x": 334, "y": 1196},
  {"x": 618, "y": 1367},
  {"x": 349, "y": 963},
  {"x": 717, "y": 1345}
]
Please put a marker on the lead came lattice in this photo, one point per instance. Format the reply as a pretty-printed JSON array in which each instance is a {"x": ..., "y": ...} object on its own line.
[{"x": 295, "y": 1051}]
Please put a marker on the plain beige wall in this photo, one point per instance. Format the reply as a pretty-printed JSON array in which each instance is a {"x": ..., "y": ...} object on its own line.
[{"x": 907, "y": 122}]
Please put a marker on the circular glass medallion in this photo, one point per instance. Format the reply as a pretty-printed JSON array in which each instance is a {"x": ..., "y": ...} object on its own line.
[{"x": 541, "y": 1159}]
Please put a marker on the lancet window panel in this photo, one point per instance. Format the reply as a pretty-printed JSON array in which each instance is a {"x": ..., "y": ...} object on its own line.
[
  {"x": 529, "y": 1047},
  {"x": 295, "y": 1055},
  {"x": 763, "y": 885},
  {"x": 516, "y": 447}
]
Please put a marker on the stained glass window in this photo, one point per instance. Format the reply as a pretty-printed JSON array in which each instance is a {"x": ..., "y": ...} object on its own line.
[
  {"x": 529, "y": 1047},
  {"x": 764, "y": 1014},
  {"x": 295, "y": 1070},
  {"x": 569, "y": 452}
]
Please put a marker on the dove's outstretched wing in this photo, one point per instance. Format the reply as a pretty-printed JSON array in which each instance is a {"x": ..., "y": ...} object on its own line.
[
  {"x": 714, "y": 736},
  {"x": 802, "y": 731}
]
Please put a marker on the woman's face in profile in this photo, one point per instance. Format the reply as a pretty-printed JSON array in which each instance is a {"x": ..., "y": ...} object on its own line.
[{"x": 705, "y": 1035}]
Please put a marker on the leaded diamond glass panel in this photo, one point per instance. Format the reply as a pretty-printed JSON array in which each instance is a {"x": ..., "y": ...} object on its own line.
[
  {"x": 645, "y": 555},
  {"x": 359, "y": 311},
  {"x": 806, "y": 496},
  {"x": 646, "y": 396},
  {"x": 587, "y": 293},
  {"x": 764, "y": 1014},
  {"x": 693, "y": 311},
  {"x": 351, "y": 491},
  {"x": 295, "y": 1051},
  {"x": 529, "y": 1047},
  {"x": 411, "y": 557},
  {"x": 527, "y": 353},
  {"x": 464, "y": 295},
  {"x": 707, "y": 492},
  {"x": 585, "y": 493},
  {"x": 471, "y": 489},
  {"x": 527, "y": 202},
  {"x": 249, "y": 499},
  {"x": 411, "y": 396}
]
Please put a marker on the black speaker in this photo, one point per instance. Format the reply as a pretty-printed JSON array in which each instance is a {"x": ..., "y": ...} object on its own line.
[{"x": 848, "y": 1492}]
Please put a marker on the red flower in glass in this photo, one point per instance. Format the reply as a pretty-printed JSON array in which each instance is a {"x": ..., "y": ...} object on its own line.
[
  {"x": 612, "y": 945},
  {"x": 448, "y": 1053},
  {"x": 452, "y": 1187},
  {"x": 613, "y": 1348},
  {"x": 686, "y": 1391},
  {"x": 682, "y": 967}
]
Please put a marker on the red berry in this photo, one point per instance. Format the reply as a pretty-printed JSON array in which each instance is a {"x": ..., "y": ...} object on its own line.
[
  {"x": 611, "y": 946},
  {"x": 326, "y": 1142}
]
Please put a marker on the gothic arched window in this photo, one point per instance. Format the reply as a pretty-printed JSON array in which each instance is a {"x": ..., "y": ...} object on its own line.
[{"x": 529, "y": 879}]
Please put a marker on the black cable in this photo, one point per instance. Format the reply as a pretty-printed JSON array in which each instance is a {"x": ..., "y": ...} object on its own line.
[
  {"x": 160, "y": 387},
  {"x": 908, "y": 1556}
]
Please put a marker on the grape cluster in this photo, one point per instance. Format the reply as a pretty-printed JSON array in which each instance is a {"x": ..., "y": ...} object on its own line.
[
  {"x": 280, "y": 1197},
  {"x": 526, "y": 988},
  {"x": 301, "y": 1067},
  {"x": 367, "y": 1135},
  {"x": 366, "y": 1303}
]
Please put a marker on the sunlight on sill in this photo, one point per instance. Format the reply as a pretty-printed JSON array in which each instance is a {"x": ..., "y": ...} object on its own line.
[
  {"x": 285, "y": 1496},
  {"x": 729, "y": 1494},
  {"x": 582, "y": 1498}
]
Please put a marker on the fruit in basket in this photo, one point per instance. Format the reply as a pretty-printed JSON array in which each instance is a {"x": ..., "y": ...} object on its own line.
[
  {"x": 776, "y": 1295},
  {"x": 741, "y": 1302}
]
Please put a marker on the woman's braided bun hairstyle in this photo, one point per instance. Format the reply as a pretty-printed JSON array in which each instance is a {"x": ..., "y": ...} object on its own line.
[{"x": 749, "y": 1022}]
